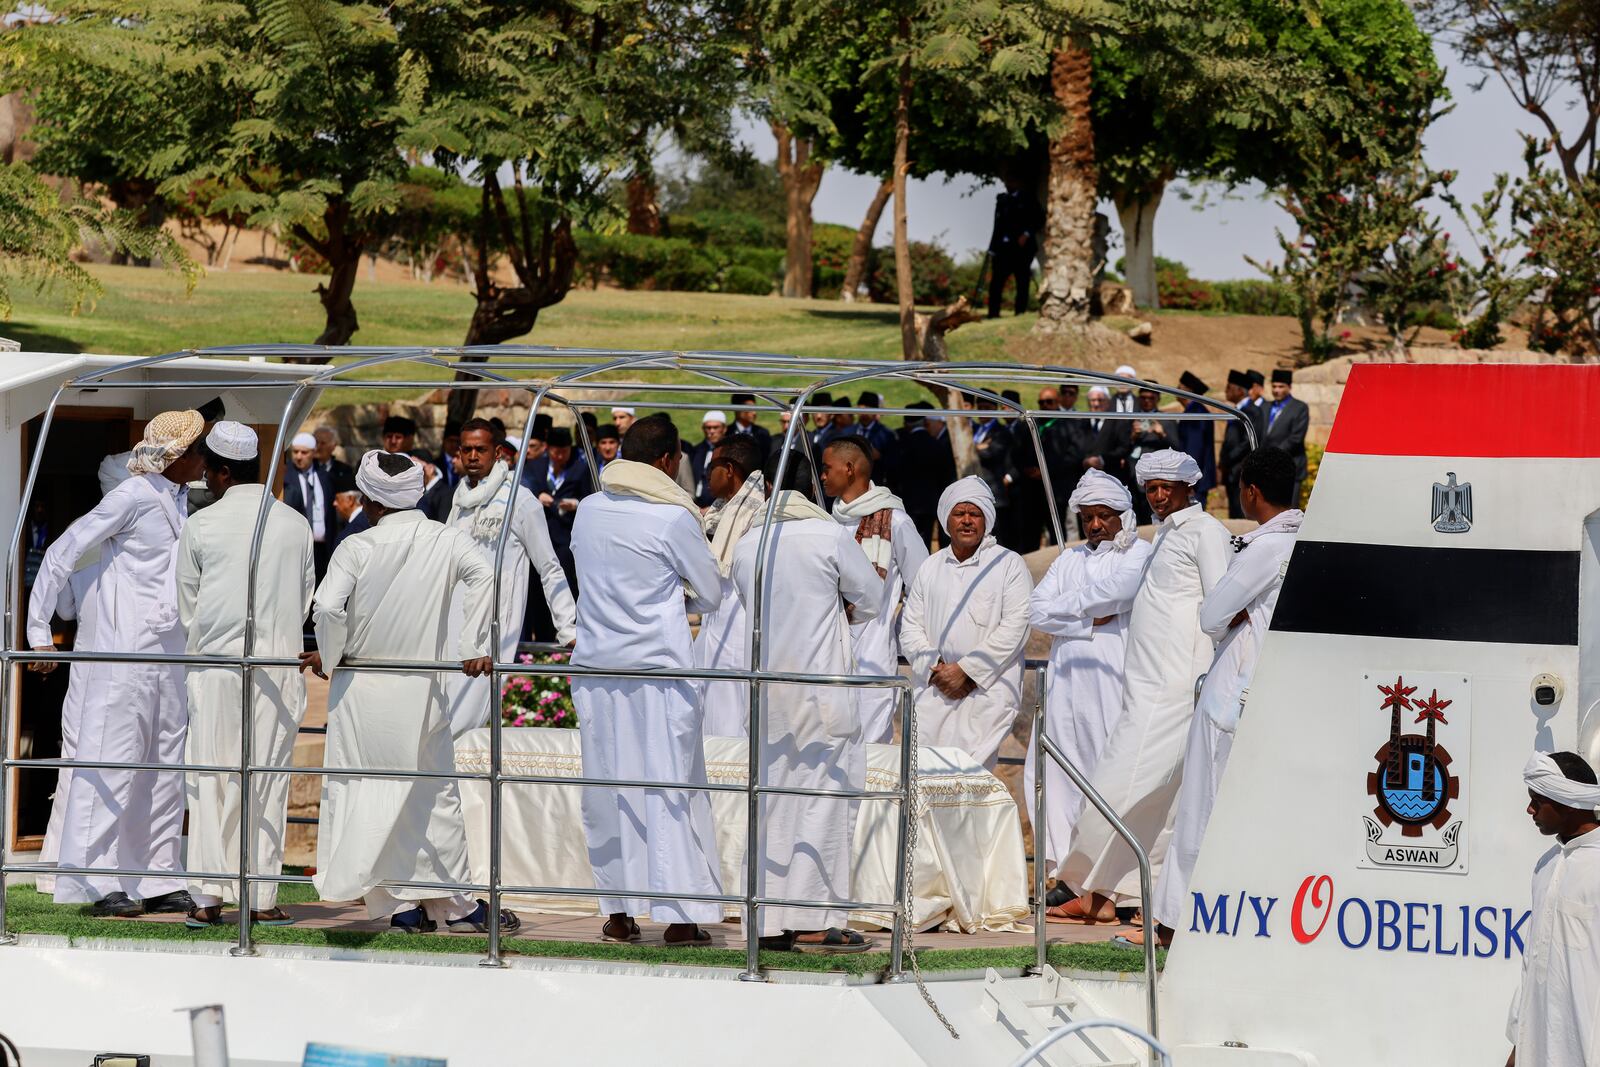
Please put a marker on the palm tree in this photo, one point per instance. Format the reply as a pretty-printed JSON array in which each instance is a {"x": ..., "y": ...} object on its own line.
[
  {"x": 1396, "y": 698},
  {"x": 1068, "y": 262},
  {"x": 1431, "y": 710}
]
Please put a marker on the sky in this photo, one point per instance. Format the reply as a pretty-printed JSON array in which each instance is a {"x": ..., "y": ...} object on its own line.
[{"x": 1478, "y": 138}]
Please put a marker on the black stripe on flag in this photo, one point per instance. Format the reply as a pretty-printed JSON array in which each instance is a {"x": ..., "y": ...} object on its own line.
[{"x": 1506, "y": 596}]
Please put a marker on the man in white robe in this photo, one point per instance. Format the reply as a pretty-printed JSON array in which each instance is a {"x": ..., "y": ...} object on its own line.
[
  {"x": 1083, "y": 604},
  {"x": 811, "y": 735},
  {"x": 386, "y": 596},
  {"x": 641, "y": 557},
  {"x": 877, "y": 520},
  {"x": 964, "y": 629},
  {"x": 1555, "y": 1015},
  {"x": 1142, "y": 763},
  {"x": 739, "y": 490},
  {"x": 213, "y": 569},
  {"x": 479, "y": 510},
  {"x": 1237, "y": 613},
  {"x": 131, "y": 712}
]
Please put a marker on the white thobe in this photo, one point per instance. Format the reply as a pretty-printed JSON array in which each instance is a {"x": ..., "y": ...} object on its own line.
[
  {"x": 77, "y": 601},
  {"x": 133, "y": 712},
  {"x": 877, "y": 644},
  {"x": 386, "y": 596},
  {"x": 1251, "y": 584},
  {"x": 213, "y": 571},
  {"x": 974, "y": 613},
  {"x": 1141, "y": 765},
  {"x": 1555, "y": 1015},
  {"x": 812, "y": 736},
  {"x": 722, "y": 644},
  {"x": 528, "y": 546},
  {"x": 634, "y": 558},
  {"x": 1083, "y": 692}
]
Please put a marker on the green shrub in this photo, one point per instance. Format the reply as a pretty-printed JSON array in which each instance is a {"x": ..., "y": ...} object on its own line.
[
  {"x": 1177, "y": 291},
  {"x": 1255, "y": 297},
  {"x": 741, "y": 279},
  {"x": 830, "y": 254},
  {"x": 723, "y": 229},
  {"x": 687, "y": 269},
  {"x": 765, "y": 261},
  {"x": 932, "y": 275}
]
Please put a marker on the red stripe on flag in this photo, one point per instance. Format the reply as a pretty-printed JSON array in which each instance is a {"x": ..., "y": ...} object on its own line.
[{"x": 1506, "y": 409}]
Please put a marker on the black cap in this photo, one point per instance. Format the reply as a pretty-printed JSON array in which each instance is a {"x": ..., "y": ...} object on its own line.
[
  {"x": 1284, "y": 376},
  {"x": 452, "y": 428},
  {"x": 870, "y": 400},
  {"x": 344, "y": 481},
  {"x": 1012, "y": 395},
  {"x": 822, "y": 399},
  {"x": 1255, "y": 377},
  {"x": 558, "y": 437},
  {"x": 742, "y": 398},
  {"x": 608, "y": 432},
  {"x": 920, "y": 405},
  {"x": 399, "y": 424},
  {"x": 842, "y": 402},
  {"x": 1239, "y": 378},
  {"x": 1192, "y": 383}
]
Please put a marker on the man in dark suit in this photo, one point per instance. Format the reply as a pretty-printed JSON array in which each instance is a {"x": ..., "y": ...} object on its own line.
[
  {"x": 436, "y": 492},
  {"x": 992, "y": 439},
  {"x": 1110, "y": 441},
  {"x": 744, "y": 422},
  {"x": 713, "y": 425},
  {"x": 1235, "y": 441},
  {"x": 1288, "y": 419},
  {"x": 446, "y": 460},
  {"x": 1066, "y": 443},
  {"x": 399, "y": 434},
  {"x": 1199, "y": 439},
  {"x": 309, "y": 491},
  {"x": 885, "y": 445},
  {"x": 560, "y": 483},
  {"x": 348, "y": 503},
  {"x": 929, "y": 467},
  {"x": 1018, "y": 220},
  {"x": 326, "y": 455}
]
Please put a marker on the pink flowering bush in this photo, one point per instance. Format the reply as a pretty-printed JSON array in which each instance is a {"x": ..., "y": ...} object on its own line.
[{"x": 538, "y": 700}]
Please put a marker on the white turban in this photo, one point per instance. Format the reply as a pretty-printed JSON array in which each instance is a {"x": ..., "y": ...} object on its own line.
[
  {"x": 1126, "y": 371},
  {"x": 232, "y": 440},
  {"x": 1099, "y": 390},
  {"x": 1544, "y": 777},
  {"x": 400, "y": 490},
  {"x": 1098, "y": 487},
  {"x": 114, "y": 471},
  {"x": 1167, "y": 465},
  {"x": 302, "y": 440},
  {"x": 968, "y": 490},
  {"x": 166, "y": 437},
  {"x": 714, "y": 416}
]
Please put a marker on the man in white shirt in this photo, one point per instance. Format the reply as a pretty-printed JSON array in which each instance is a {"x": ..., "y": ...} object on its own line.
[
  {"x": 213, "y": 569},
  {"x": 1554, "y": 1019},
  {"x": 738, "y": 489},
  {"x": 964, "y": 628},
  {"x": 132, "y": 712},
  {"x": 1083, "y": 604},
  {"x": 479, "y": 511},
  {"x": 1236, "y": 613},
  {"x": 878, "y": 522},
  {"x": 642, "y": 557},
  {"x": 811, "y": 735},
  {"x": 309, "y": 490},
  {"x": 387, "y": 598},
  {"x": 1142, "y": 763}
]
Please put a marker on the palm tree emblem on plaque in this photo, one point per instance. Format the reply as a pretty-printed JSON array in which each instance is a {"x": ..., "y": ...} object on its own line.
[{"x": 1413, "y": 785}]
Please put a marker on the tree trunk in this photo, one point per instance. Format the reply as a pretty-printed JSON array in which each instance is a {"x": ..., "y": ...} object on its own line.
[
  {"x": 1068, "y": 266},
  {"x": 1138, "y": 216},
  {"x": 335, "y": 296},
  {"x": 856, "y": 269},
  {"x": 801, "y": 179},
  {"x": 931, "y": 347},
  {"x": 905, "y": 292},
  {"x": 137, "y": 196},
  {"x": 644, "y": 210}
]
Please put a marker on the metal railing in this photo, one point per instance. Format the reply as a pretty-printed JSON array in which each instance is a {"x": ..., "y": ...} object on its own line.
[{"x": 561, "y": 371}]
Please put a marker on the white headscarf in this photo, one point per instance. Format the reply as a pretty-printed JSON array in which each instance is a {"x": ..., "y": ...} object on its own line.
[
  {"x": 1544, "y": 777},
  {"x": 401, "y": 490},
  {"x": 114, "y": 471},
  {"x": 166, "y": 437},
  {"x": 1167, "y": 465},
  {"x": 1099, "y": 390},
  {"x": 1098, "y": 487},
  {"x": 968, "y": 490}
]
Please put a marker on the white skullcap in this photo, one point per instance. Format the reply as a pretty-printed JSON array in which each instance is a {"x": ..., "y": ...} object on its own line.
[
  {"x": 1098, "y": 487},
  {"x": 514, "y": 441},
  {"x": 1099, "y": 390},
  {"x": 714, "y": 416},
  {"x": 166, "y": 437},
  {"x": 1167, "y": 465},
  {"x": 114, "y": 471},
  {"x": 1544, "y": 777},
  {"x": 302, "y": 440},
  {"x": 622, "y": 411},
  {"x": 399, "y": 490},
  {"x": 232, "y": 440},
  {"x": 1126, "y": 371},
  {"x": 968, "y": 490}
]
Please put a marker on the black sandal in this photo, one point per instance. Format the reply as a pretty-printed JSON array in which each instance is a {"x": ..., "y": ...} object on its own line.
[
  {"x": 204, "y": 918},
  {"x": 699, "y": 938},
  {"x": 631, "y": 936},
  {"x": 834, "y": 942}
]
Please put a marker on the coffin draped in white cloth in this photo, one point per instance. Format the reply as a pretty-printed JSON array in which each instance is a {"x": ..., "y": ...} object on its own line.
[{"x": 970, "y": 870}]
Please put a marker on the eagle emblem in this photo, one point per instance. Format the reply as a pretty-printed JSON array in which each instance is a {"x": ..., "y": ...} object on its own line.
[{"x": 1452, "y": 505}]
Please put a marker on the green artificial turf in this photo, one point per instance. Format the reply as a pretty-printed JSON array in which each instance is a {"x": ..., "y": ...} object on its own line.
[{"x": 28, "y": 911}]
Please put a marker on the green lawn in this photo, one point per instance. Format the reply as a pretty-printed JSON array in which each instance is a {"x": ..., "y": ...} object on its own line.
[
  {"x": 145, "y": 312},
  {"x": 27, "y": 911}
]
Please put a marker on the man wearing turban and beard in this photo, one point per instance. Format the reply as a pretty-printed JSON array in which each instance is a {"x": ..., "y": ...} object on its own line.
[
  {"x": 1142, "y": 764},
  {"x": 387, "y": 598},
  {"x": 131, "y": 712},
  {"x": 964, "y": 627},
  {"x": 1083, "y": 604}
]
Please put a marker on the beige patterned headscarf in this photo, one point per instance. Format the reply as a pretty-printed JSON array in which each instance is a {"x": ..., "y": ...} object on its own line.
[{"x": 166, "y": 437}]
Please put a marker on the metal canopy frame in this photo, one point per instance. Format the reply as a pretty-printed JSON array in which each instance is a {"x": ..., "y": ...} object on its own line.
[{"x": 565, "y": 376}]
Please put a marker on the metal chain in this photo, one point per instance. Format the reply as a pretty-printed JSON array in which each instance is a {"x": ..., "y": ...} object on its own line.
[{"x": 910, "y": 860}]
